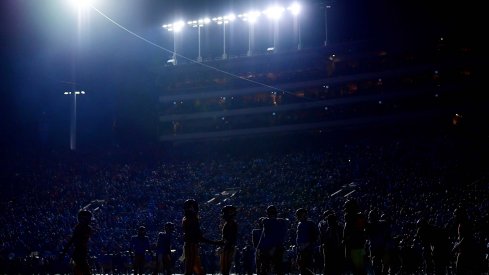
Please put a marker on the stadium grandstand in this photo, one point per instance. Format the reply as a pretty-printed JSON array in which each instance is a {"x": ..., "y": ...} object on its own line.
[{"x": 314, "y": 89}]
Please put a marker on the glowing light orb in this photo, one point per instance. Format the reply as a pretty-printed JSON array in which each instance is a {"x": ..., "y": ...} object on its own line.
[{"x": 81, "y": 4}]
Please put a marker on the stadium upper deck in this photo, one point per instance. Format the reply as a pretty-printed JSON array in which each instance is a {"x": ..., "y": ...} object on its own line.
[{"x": 312, "y": 90}]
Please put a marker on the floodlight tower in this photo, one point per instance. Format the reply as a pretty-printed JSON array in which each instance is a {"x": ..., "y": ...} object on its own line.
[
  {"x": 224, "y": 20},
  {"x": 274, "y": 13},
  {"x": 295, "y": 9},
  {"x": 175, "y": 28},
  {"x": 326, "y": 8},
  {"x": 73, "y": 118},
  {"x": 199, "y": 24},
  {"x": 251, "y": 18}
]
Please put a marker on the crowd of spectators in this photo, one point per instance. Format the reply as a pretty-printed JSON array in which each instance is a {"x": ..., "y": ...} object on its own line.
[{"x": 405, "y": 179}]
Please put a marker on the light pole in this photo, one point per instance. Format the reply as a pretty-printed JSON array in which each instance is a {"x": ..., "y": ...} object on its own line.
[
  {"x": 251, "y": 18},
  {"x": 198, "y": 24},
  {"x": 175, "y": 28},
  {"x": 223, "y": 20},
  {"x": 73, "y": 119},
  {"x": 326, "y": 7},
  {"x": 295, "y": 9},
  {"x": 275, "y": 13}
]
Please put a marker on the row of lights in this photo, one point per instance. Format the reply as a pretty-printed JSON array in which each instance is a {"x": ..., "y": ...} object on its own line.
[
  {"x": 75, "y": 93},
  {"x": 273, "y": 12}
]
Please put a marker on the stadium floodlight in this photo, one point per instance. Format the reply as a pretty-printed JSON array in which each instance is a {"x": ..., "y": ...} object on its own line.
[
  {"x": 274, "y": 12},
  {"x": 199, "y": 24},
  {"x": 230, "y": 17},
  {"x": 253, "y": 16},
  {"x": 295, "y": 9},
  {"x": 326, "y": 8},
  {"x": 223, "y": 20},
  {"x": 73, "y": 118},
  {"x": 178, "y": 26},
  {"x": 250, "y": 17},
  {"x": 81, "y": 4},
  {"x": 175, "y": 27}
]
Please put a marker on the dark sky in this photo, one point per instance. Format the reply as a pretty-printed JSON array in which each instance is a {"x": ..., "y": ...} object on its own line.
[{"x": 46, "y": 50}]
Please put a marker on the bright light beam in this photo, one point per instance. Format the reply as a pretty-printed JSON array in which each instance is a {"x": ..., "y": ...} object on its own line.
[
  {"x": 230, "y": 17},
  {"x": 253, "y": 16},
  {"x": 250, "y": 17},
  {"x": 295, "y": 8},
  {"x": 178, "y": 26},
  {"x": 274, "y": 12},
  {"x": 81, "y": 5}
]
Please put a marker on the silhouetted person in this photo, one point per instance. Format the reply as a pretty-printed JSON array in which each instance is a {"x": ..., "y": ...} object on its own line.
[
  {"x": 379, "y": 236},
  {"x": 164, "y": 261},
  {"x": 306, "y": 236},
  {"x": 435, "y": 243},
  {"x": 354, "y": 237},
  {"x": 272, "y": 240},
  {"x": 192, "y": 236},
  {"x": 229, "y": 238},
  {"x": 138, "y": 246},
  {"x": 79, "y": 239},
  {"x": 333, "y": 250}
]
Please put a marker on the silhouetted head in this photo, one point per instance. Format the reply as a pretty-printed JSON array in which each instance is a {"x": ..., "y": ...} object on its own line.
[
  {"x": 272, "y": 211},
  {"x": 332, "y": 220},
  {"x": 84, "y": 216},
  {"x": 142, "y": 231},
  {"x": 373, "y": 215},
  {"x": 350, "y": 206},
  {"x": 169, "y": 227},
  {"x": 228, "y": 212},
  {"x": 301, "y": 214},
  {"x": 460, "y": 214},
  {"x": 190, "y": 206},
  {"x": 326, "y": 213}
]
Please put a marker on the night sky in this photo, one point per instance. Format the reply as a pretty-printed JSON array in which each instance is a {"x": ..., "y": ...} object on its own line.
[{"x": 44, "y": 52}]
